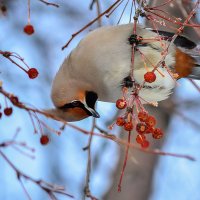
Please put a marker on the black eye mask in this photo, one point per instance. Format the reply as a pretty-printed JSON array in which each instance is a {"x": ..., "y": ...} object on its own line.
[
  {"x": 73, "y": 104},
  {"x": 91, "y": 98}
]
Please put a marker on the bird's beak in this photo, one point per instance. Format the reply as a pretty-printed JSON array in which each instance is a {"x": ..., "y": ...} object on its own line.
[{"x": 91, "y": 111}]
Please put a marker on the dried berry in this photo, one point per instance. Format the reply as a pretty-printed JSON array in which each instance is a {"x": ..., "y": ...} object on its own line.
[
  {"x": 142, "y": 116},
  {"x": 44, "y": 139},
  {"x": 157, "y": 134},
  {"x": 150, "y": 77},
  {"x": 128, "y": 126},
  {"x": 8, "y": 111},
  {"x": 121, "y": 104},
  {"x": 32, "y": 73},
  {"x": 120, "y": 121},
  {"x": 141, "y": 128},
  {"x": 151, "y": 121}
]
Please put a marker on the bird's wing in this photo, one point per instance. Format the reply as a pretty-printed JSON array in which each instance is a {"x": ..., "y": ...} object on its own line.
[{"x": 180, "y": 41}]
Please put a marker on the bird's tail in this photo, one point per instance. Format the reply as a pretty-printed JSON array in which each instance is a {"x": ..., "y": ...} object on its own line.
[
  {"x": 195, "y": 74},
  {"x": 195, "y": 54}
]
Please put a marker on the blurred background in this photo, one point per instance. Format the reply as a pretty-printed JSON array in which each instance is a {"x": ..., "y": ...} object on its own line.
[{"x": 63, "y": 161}]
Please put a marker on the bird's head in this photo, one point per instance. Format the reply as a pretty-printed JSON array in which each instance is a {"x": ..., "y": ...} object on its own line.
[{"x": 72, "y": 102}]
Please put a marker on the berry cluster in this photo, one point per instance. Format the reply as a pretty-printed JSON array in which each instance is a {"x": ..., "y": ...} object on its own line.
[
  {"x": 128, "y": 125},
  {"x": 144, "y": 124},
  {"x": 122, "y": 121}
]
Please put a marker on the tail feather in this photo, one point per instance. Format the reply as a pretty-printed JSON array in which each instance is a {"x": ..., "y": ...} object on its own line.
[{"x": 195, "y": 72}]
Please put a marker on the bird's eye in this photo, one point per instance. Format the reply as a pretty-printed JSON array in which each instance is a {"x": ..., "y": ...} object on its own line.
[{"x": 75, "y": 103}]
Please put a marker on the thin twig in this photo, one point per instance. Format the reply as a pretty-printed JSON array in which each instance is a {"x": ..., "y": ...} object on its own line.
[
  {"x": 47, "y": 187},
  {"x": 89, "y": 24},
  {"x": 125, "y": 161},
  {"x": 115, "y": 139},
  {"x": 49, "y": 4},
  {"x": 98, "y": 13},
  {"x": 87, "y": 191}
]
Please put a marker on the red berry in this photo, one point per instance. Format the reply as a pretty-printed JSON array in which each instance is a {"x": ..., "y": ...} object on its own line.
[
  {"x": 140, "y": 138},
  {"x": 120, "y": 121},
  {"x": 157, "y": 134},
  {"x": 151, "y": 121},
  {"x": 142, "y": 116},
  {"x": 32, "y": 73},
  {"x": 150, "y": 77},
  {"x": 8, "y": 111},
  {"x": 44, "y": 139},
  {"x": 145, "y": 144},
  {"x": 0, "y": 115},
  {"x": 121, "y": 104},
  {"x": 141, "y": 128},
  {"x": 150, "y": 129},
  {"x": 128, "y": 126},
  {"x": 29, "y": 29}
]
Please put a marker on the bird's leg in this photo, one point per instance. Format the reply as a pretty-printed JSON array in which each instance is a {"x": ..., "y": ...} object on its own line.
[
  {"x": 127, "y": 82},
  {"x": 134, "y": 39}
]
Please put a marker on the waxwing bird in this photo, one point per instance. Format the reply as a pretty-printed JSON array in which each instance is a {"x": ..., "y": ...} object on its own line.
[{"x": 100, "y": 66}]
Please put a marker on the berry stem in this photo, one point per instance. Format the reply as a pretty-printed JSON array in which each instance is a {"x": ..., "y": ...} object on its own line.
[
  {"x": 29, "y": 11},
  {"x": 6, "y": 103},
  {"x": 125, "y": 161}
]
